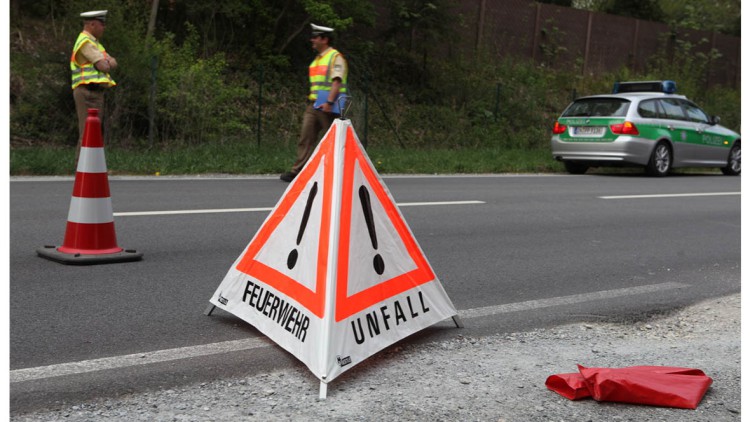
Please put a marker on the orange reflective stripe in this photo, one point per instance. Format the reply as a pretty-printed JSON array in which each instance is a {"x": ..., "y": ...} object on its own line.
[
  {"x": 319, "y": 73},
  {"x": 318, "y": 70},
  {"x": 87, "y": 72}
]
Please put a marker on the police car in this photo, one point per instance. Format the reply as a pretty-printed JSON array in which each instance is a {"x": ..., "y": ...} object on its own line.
[{"x": 643, "y": 124}]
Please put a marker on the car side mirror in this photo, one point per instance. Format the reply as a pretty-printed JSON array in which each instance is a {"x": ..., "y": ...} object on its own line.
[{"x": 715, "y": 120}]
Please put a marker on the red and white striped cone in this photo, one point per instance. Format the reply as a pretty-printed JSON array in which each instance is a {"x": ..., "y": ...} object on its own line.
[{"x": 90, "y": 234}]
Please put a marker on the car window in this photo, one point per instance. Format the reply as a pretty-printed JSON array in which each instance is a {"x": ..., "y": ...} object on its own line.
[
  {"x": 649, "y": 109},
  {"x": 694, "y": 112},
  {"x": 672, "y": 109},
  {"x": 594, "y": 107}
]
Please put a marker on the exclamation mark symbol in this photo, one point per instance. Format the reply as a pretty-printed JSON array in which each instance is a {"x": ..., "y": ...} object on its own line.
[
  {"x": 291, "y": 261},
  {"x": 364, "y": 197}
]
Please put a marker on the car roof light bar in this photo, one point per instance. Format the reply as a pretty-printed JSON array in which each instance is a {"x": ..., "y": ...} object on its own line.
[{"x": 667, "y": 87}]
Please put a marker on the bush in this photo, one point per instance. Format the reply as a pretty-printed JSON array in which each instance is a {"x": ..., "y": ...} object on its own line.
[{"x": 196, "y": 100}]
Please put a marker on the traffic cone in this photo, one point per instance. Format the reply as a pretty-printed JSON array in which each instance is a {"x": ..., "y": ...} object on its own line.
[{"x": 90, "y": 234}]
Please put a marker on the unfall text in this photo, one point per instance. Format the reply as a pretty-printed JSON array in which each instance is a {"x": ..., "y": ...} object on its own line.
[{"x": 387, "y": 316}]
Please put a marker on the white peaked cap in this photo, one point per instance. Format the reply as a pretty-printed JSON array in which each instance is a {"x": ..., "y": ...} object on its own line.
[
  {"x": 318, "y": 30},
  {"x": 95, "y": 14}
]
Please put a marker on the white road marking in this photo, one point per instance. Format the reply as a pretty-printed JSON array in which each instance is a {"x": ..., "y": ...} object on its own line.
[
  {"x": 117, "y": 362},
  {"x": 568, "y": 300},
  {"x": 428, "y": 204},
  {"x": 227, "y": 210},
  {"x": 671, "y": 195},
  {"x": 178, "y": 212},
  {"x": 125, "y": 361}
]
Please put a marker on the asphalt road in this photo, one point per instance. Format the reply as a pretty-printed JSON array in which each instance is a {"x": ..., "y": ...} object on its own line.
[{"x": 535, "y": 251}]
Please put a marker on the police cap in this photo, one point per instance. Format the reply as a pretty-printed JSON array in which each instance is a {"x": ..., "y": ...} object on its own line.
[
  {"x": 321, "y": 30},
  {"x": 100, "y": 15}
]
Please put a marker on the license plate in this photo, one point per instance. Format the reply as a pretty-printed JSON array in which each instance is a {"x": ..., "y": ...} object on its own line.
[{"x": 588, "y": 130}]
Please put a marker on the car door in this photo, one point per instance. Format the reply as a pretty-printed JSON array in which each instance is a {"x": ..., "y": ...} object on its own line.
[
  {"x": 709, "y": 145},
  {"x": 681, "y": 131}
]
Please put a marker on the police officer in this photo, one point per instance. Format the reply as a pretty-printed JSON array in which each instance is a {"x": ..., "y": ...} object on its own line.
[
  {"x": 328, "y": 75},
  {"x": 90, "y": 66}
]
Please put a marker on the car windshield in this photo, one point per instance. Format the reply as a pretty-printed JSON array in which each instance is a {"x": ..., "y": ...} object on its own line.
[{"x": 593, "y": 107}]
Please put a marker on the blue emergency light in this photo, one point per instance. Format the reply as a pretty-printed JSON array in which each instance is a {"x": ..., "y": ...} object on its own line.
[{"x": 667, "y": 87}]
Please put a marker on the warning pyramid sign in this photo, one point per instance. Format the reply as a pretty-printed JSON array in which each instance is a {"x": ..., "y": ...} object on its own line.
[{"x": 334, "y": 274}]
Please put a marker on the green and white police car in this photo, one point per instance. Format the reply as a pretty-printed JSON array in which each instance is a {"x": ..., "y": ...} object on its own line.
[{"x": 643, "y": 124}]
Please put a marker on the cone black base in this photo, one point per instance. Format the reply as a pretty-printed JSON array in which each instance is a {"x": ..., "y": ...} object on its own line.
[{"x": 51, "y": 253}]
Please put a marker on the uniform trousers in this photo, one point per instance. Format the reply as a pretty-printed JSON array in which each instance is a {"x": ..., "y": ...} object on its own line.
[
  {"x": 85, "y": 99},
  {"x": 313, "y": 122}
]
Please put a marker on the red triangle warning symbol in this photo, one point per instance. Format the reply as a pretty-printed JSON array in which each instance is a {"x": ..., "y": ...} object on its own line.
[
  {"x": 290, "y": 251},
  {"x": 372, "y": 232},
  {"x": 335, "y": 264}
]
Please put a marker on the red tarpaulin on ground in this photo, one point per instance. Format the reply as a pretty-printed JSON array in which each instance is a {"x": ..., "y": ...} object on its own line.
[{"x": 651, "y": 385}]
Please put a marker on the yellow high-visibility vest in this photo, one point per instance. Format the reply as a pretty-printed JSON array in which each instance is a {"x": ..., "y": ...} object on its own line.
[
  {"x": 88, "y": 73},
  {"x": 320, "y": 74}
]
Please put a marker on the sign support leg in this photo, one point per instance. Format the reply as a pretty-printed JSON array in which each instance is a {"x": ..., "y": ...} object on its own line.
[
  {"x": 458, "y": 322},
  {"x": 209, "y": 310},
  {"x": 323, "y": 391}
]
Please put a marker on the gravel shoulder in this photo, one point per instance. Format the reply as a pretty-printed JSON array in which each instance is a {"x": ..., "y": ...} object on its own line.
[{"x": 494, "y": 378}]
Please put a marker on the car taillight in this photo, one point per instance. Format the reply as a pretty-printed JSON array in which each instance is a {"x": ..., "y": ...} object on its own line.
[
  {"x": 627, "y": 128},
  {"x": 559, "y": 128}
]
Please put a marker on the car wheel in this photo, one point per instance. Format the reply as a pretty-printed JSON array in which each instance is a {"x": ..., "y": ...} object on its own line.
[
  {"x": 661, "y": 161},
  {"x": 734, "y": 163},
  {"x": 575, "y": 168}
]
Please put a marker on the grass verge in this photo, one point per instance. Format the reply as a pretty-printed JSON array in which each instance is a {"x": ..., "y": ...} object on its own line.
[{"x": 248, "y": 158}]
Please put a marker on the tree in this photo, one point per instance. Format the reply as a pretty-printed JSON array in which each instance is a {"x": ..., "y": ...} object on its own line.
[
  {"x": 152, "y": 19},
  {"x": 417, "y": 23},
  {"x": 708, "y": 15},
  {"x": 566, "y": 3},
  {"x": 640, "y": 9},
  {"x": 258, "y": 30}
]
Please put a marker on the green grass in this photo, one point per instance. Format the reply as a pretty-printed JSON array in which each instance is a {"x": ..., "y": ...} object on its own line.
[
  {"x": 248, "y": 158},
  {"x": 476, "y": 160}
]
